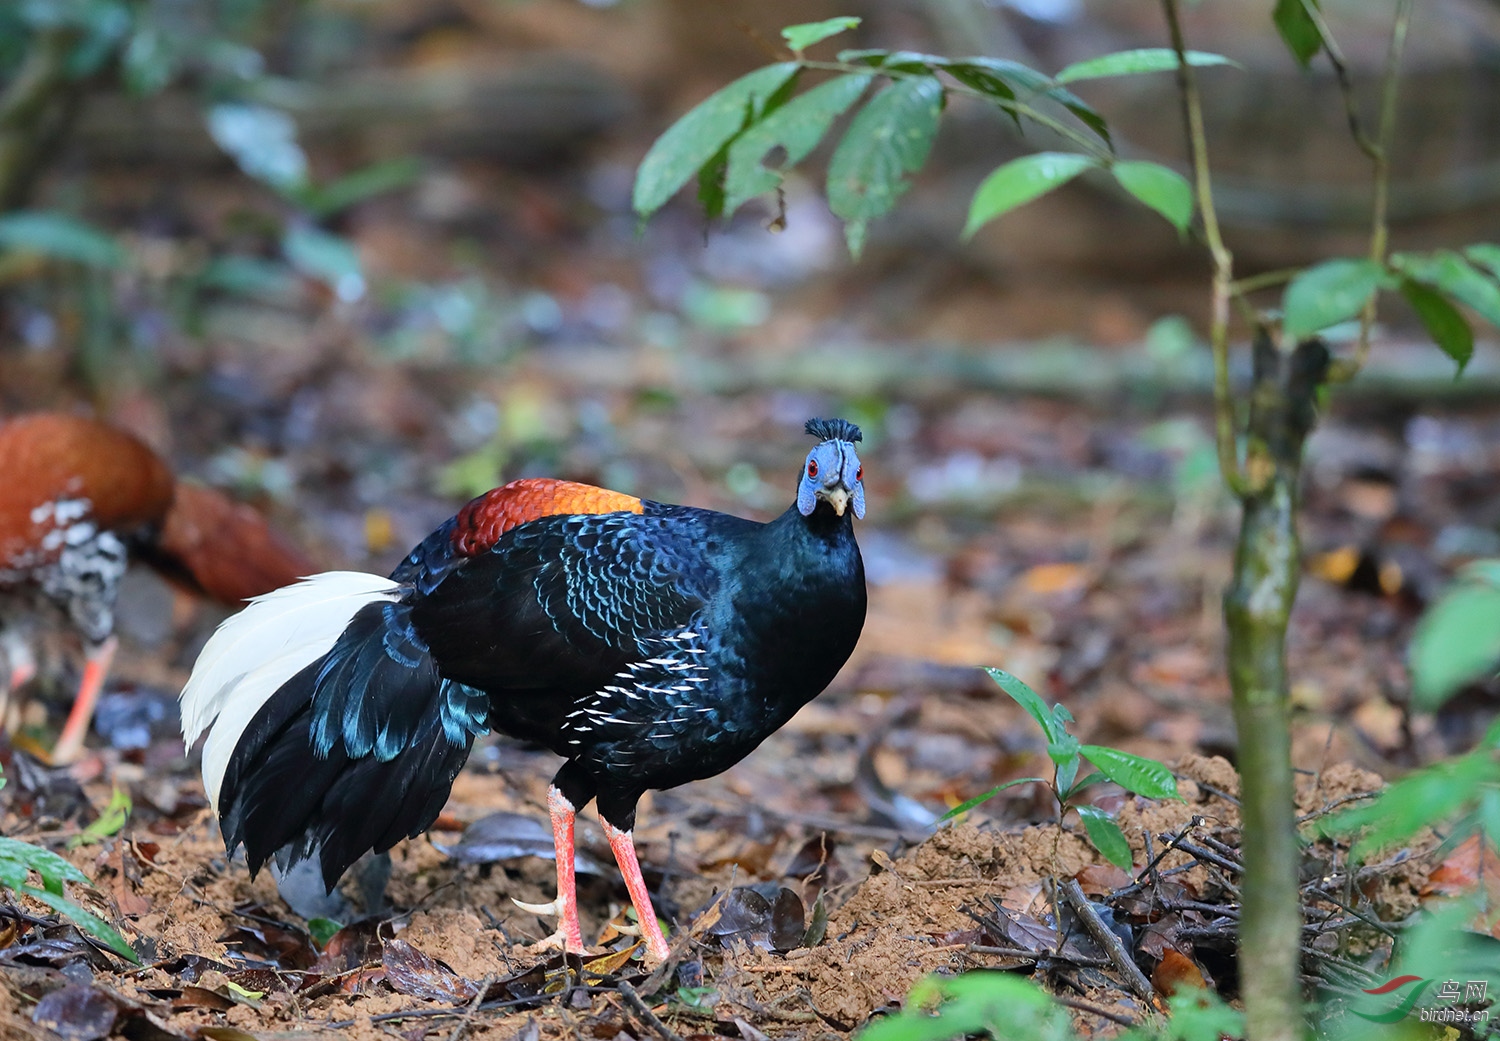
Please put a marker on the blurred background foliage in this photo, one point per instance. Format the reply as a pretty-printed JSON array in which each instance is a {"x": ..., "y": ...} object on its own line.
[{"x": 231, "y": 202}]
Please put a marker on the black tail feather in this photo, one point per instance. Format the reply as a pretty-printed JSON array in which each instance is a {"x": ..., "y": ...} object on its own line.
[{"x": 356, "y": 752}]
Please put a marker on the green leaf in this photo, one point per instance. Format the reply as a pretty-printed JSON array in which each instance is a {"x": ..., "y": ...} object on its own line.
[
  {"x": 1298, "y": 30},
  {"x": 1198, "y": 1015},
  {"x": 249, "y": 276},
  {"x": 53, "y": 869},
  {"x": 1486, "y": 255},
  {"x": 1133, "y": 63},
  {"x": 321, "y": 930},
  {"x": 87, "y": 922},
  {"x": 1134, "y": 773},
  {"x": 365, "y": 183},
  {"x": 331, "y": 259},
  {"x": 914, "y": 61},
  {"x": 1448, "y": 329},
  {"x": 697, "y": 137},
  {"x": 1451, "y": 273},
  {"x": 107, "y": 823},
  {"x": 1160, "y": 187},
  {"x": 1004, "y": 80},
  {"x": 1032, "y": 702},
  {"x": 59, "y": 237},
  {"x": 1092, "y": 779},
  {"x": 817, "y": 925},
  {"x": 1106, "y": 836},
  {"x": 1065, "y": 757},
  {"x": 149, "y": 61},
  {"x": 969, "y": 804},
  {"x": 262, "y": 141},
  {"x": 1457, "y": 642},
  {"x": 1328, "y": 293},
  {"x": 871, "y": 56},
  {"x": 711, "y": 184},
  {"x": 1419, "y": 800},
  {"x": 800, "y": 37},
  {"x": 796, "y": 127},
  {"x": 1021, "y": 180},
  {"x": 996, "y": 1004},
  {"x": 1487, "y": 815},
  {"x": 889, "y": 139},
  {"x": 13, "y": 873},
  {"x": 996, "y": 77}
]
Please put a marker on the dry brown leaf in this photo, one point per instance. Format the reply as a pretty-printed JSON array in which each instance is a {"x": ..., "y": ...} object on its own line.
[
  {"x": 411, "y": 971},
  {"x": 611, "y": 963},
  {"x": 1053, "y": 579},
  {"x": 1098, "y": 879},
  {"x": 1465, "y": 870}
]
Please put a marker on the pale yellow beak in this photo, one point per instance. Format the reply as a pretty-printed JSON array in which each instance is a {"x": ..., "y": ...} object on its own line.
[{"x": 837, "y": 497}]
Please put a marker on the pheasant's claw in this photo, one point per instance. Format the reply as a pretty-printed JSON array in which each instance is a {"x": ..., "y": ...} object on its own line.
[
  {"x": 550, "y": 909},
  {"x": 559, "y": 940}
]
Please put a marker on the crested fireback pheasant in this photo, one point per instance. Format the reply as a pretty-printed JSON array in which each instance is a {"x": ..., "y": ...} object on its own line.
[
  {"x": 78, "y": 499},
  {"x": 647, "y": 644}
]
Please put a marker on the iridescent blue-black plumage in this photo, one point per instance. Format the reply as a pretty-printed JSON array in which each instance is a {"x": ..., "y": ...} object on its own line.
[{"x": 648, "y": 648}]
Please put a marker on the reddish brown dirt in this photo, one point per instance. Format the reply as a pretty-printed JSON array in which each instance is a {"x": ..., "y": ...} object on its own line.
[{"x": 896, "y": 917}]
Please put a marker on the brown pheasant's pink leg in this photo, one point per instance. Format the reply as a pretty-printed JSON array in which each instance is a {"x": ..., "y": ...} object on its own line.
[
  {"x": 95, "y": 669},
  {"x": 624, "y": 847},
  {"x": 22, "y": 672}
]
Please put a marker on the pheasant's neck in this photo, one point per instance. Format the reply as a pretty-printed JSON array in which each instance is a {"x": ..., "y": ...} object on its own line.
[{"x": 807, "y": 582}]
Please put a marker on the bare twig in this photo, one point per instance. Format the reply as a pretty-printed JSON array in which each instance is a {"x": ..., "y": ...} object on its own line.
[
  {"x": 1208, "y": 855},
  {"x": 1211, "y": 790},
  {"x": 1018, "y": 952},
  {"x": 1345, "y": 81},
  {"x": 445, "y": 1013},
  {"x": 1223, "y": 260},
  {"x": 1330, "y": 806},
  {"x": 1072, "y": 893},
  {"x": 1264, "y": 280},
  {"x": 473, "y": 1010},
  {"x": 644, "y": 1013},
  {"x": 1379, "y": 152}
]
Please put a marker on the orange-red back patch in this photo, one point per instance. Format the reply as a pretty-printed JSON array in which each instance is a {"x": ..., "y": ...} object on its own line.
[{"x": 485, "y": 519}]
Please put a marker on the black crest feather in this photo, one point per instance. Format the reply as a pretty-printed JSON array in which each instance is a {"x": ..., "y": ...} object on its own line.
[{"x": 833, "y": 430}]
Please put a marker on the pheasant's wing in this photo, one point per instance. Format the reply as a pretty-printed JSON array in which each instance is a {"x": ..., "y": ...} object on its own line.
[{"x": 566, "y": 602}]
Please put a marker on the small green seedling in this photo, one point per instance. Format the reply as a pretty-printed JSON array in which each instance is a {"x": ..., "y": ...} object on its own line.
[
  {"x": 107, "y": 823},
  {"x": 18, "y": 859},
  {"x": 1132, "y": 772}
]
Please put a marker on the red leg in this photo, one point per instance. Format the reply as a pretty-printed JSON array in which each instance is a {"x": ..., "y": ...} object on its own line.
[
  {"x": 22, "y": 669},
  {"x": 624, "y": 847},
  {"x": 95, "y": 669},
  {"x": 569, "y": 934},
  {"x": 563, "y": 815}
]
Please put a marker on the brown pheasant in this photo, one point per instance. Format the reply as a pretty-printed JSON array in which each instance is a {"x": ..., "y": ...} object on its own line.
[{"x": 78, "y": 498}]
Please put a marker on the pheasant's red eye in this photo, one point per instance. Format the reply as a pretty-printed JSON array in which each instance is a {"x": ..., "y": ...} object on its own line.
[
  {"x": 812, "y": 468},
  {"x": 859, "y": 475}
]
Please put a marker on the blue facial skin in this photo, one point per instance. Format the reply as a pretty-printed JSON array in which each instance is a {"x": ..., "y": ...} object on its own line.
[{"x": 832, "y": 473}]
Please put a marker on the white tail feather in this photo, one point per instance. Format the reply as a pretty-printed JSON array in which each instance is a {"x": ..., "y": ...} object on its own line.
[{"x": 251, "y": 655}]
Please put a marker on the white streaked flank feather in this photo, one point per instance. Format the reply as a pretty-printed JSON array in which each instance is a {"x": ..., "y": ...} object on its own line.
[{"x": 251, "y": 655}]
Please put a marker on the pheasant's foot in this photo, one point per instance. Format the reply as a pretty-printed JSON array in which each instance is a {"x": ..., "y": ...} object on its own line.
[{"x": 568, "y": 936}]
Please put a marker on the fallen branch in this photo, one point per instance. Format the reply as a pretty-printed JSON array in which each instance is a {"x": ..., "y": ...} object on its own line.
[
  {"x": 645, "y": 1015},
  {"x": 1105, "y": 937}
]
